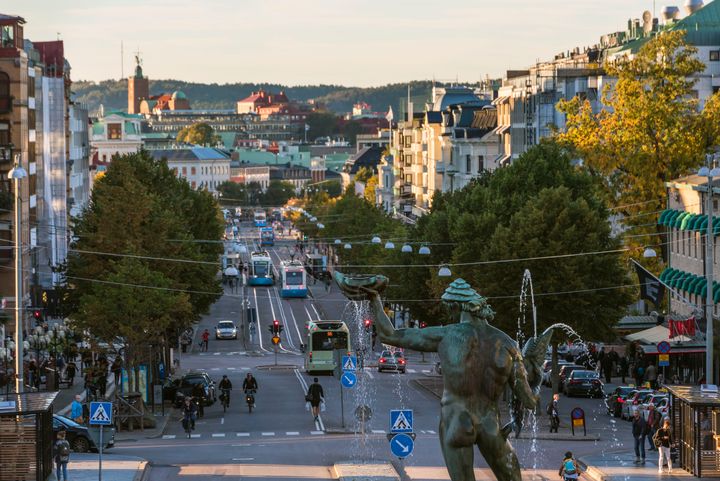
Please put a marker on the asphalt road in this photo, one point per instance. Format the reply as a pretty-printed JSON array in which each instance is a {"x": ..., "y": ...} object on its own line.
[{"x": 280, "y": 441}]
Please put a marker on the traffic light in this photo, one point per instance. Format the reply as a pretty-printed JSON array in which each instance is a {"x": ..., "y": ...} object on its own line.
[
  {"x": 276, "y": 326},
  {"x": 368, "y": 325},
  {"x": 38, "y": 316},
  {"x": 423, "y": 325}
]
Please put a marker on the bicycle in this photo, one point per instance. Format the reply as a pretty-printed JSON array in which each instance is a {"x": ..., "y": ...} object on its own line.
[
  {"x": 187, "y": 425},
  {"x": 225, "y": 399},
  {"x": 250, "y": 399}
]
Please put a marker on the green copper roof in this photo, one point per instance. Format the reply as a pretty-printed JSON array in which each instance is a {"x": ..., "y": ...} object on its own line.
[
  {"x": 98, "y": 128},
  {"x": 130, "y": 129},
  {"x": 703, "y": 26}
]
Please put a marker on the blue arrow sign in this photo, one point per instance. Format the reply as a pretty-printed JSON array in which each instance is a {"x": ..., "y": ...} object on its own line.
[
  {"x": 401, "y": 421},
  {"x": 349, "y": 363},
  {"x": 402, "y": 445},
  {"x": 348, "y": 379},
  {"x": 100, "y": 414}
]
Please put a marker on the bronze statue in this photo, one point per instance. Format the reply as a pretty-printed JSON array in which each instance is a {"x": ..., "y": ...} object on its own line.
[{"x": 478, "y": 362}]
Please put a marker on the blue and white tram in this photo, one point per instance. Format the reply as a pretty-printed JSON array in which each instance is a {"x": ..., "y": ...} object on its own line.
[
  {"x": 260, "y": 269},
  {"x": 260, "y": 218},
  {"x": 293, "y": 279}
]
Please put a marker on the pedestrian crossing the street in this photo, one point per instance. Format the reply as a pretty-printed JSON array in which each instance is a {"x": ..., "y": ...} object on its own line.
[{"x": 266, "y": 434}]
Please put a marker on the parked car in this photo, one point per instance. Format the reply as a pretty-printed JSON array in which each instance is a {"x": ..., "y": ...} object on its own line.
[
  {"x": 392, "y": 361},
  {"x": 565, "y": 371},
  {"x": 226, "y": 330},
  {"x": 78, "y": 435},
  {"x": 615, "y": 400},
  {"x": 175, "y": 389},
  {"x": 583, "y": 383},
  {"x": 547, "y": 370},
  {"x": 655, "y": 399},
  {"x": 632, "y": 402}
]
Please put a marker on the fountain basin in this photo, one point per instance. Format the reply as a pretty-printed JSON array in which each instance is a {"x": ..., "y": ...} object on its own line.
[{"x": 351, "y": 471}]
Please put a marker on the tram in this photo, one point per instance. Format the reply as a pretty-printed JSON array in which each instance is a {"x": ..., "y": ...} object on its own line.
[
  {"x": 324, "y": 337},
  {"x": 293, "y": 281},
  {"x": 260, "y": 271},
  {"x": 260, "y": 218},
  {"x": 267, "y": 236}
]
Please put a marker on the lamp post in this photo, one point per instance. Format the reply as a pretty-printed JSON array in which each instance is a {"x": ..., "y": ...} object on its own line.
[
  {"x": 709, "y": 261},
  {"x": 17, "y": 174}
]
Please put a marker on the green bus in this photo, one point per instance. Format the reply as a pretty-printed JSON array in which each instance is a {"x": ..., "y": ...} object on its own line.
[{"x": 324, "y": 337}]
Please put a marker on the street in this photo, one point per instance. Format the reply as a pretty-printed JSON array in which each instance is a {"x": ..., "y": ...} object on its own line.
[{"x": 279, "y": 440}]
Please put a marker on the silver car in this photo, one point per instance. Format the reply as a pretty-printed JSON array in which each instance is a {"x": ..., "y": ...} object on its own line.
[{"x": 226, "y": 330}]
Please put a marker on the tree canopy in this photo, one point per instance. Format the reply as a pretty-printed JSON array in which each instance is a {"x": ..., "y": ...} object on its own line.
[{"x": 199, "y": 133}]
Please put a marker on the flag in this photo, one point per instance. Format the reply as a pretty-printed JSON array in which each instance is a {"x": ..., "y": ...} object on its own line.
[
  {"x": 682, "y": 327},
  {"x": 389, "y": 117},
  {"x": 650, "y": 286},
  {"x": 307, "y": 127}
]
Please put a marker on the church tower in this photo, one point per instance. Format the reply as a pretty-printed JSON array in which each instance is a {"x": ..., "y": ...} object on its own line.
[{"x": 138, "y": 88}]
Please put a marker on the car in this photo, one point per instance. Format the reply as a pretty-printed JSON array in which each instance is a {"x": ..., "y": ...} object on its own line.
[
  {"x": 226, "y": 330},
  {"x": 583, "y": 383},
  {"x": 392, "y": 361},
  {"x": 632, "y": 401},
  {"x": 176, "y": 389},
  {"x": 565, "y": 371},
  {"x": 78, "y": 435},
  {"x": 655, "y": 399},
  {"x": 547, "y": 370},
  {"x": 615, "y": 400}
]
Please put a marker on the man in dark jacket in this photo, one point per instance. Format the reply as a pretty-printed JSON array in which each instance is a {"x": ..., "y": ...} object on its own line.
[
  {"x": 639, "y": 432},
  {"x": 653, "y": 424}
]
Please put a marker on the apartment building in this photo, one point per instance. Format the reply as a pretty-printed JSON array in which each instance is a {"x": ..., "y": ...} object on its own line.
[{"x": 203, "y": 167}]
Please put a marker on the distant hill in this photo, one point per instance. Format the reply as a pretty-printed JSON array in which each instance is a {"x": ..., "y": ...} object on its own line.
[{"x": 112, "y": 94}]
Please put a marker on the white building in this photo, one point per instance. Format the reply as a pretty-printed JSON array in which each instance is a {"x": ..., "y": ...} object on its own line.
[
  {"x": 116, "y": 133},
  {"x": 203, "y": 167},
  {"x": 79, "y": 150},
  {"x": 246, "y": 173}
]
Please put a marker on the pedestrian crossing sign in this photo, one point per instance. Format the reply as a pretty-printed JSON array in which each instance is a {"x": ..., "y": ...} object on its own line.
[
  {"x": 100, "y": 413},
  {"x": 401, "y": 421},
  {"x": 349, "y": 363}
]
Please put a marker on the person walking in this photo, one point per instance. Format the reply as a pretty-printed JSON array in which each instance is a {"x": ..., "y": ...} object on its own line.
[
  {"x": 554, "y": 412},
  {"x": 651, "y": 376},
  {"x": 315, "y": 396},
  {"x": 639, "y": 432},
  {"x": 623, "y": 368},
  {"x": 665, "y": 440},
  {"x": 205, "y": 340},
  {"x": 607, "y": 367},
  {"x": 61, "y": 453},
  {"x": 116, "y": 369},
  {"x": 570, "y": 468},
  {"x": 653, "y": 423},
  {"x": 76, "y": 410},
  {"x": 70, "y": 371}
]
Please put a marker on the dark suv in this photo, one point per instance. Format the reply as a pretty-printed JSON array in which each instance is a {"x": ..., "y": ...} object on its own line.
[{"x": 176, "y": 389}]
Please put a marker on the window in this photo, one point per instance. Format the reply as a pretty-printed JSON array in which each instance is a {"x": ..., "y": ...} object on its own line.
[
  {"x": 192, "y": 171},
  {"x": 715, "y": 55},
  {"x": 184, "y": 171},
  {"x": 193, "y": 184},
  {"x": 114, "y": 131},
  {"x": 4, "y": 133},
  {"x": 5, "y": 99},
  {"x": 408, "y": 139},
  {"x": 468, "y": 164},
  {"x": 481, "y": 163},
  {"x": 7, "y": 36}
]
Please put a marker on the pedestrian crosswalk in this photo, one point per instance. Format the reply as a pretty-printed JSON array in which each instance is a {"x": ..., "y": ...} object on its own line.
[
  {"x": 218, "y": 353},
  {"x": 266, "y": 434},
  {"x": 229, "y": 368}
]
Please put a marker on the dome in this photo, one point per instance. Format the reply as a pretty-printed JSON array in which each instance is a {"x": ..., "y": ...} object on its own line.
[{"x": 178, "y": 95}]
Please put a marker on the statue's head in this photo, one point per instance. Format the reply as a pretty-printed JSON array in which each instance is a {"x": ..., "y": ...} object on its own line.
[{"x": 459, "y": 293}]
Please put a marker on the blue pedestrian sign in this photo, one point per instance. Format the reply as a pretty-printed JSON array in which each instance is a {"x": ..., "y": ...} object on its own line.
[
  {"x": 349, "y": 363},
  {"x": 348, "y": 379},
  {"x": 401, "y": 421},
  {"x": 100, "y": 414},
  {"x": 402, "y": 445}
]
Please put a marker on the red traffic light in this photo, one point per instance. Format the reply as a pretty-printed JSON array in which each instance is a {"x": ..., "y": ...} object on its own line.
[
  {"x": 276, "y": 323},
  {"x": 423, "y": 325},
  {"x": 368, "y": 322},
  {"x": 37, "y": 314}
]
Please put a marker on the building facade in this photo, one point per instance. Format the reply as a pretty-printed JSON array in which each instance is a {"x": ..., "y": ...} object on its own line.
[
  {"x": 202, "y": 167},
  {"x": 116, "y": 133}
]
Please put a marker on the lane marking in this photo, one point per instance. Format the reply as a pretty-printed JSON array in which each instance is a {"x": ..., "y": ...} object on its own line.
[
  {"x": 231, "y": 369},
  {"x": 168, "y": 436},
  {"x": 258, "y": 331},
  {"x": 431, "y": 432},
  {"x": 243, "y": 459},
  {"x": 240, "y": 435},
  {"x": 243, "y": 445},
  {"x": 292, "y": 433},
  {"x": 216, "y": 353},
  {"x": 425, "y": 371},
  {"x": 218, "y": 435},
  {"x": 317, "y": 433},
  {"x": 378, "y": 431},
  {"x": 222, "y": 420},
  {"x": 194, "y": 436},
  {"x": 267, "y": 434},
  {"x": 411, "y": 371}
]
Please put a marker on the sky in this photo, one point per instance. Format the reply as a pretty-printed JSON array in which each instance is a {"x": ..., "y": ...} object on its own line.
[{"x": 299, "y": 42}]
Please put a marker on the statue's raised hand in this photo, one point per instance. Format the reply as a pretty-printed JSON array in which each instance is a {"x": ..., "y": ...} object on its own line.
[{"x": 360, "y": 287}]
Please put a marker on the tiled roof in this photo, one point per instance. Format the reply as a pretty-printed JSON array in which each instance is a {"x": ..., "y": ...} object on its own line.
[
  {"x": 367, "y": 157},
  {"x": 192, "y": 153}
]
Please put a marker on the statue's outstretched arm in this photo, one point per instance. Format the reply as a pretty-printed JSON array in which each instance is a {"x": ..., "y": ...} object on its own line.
[
  {"x": 519, "y": 382},
  {"x": 426, "y": 340}
]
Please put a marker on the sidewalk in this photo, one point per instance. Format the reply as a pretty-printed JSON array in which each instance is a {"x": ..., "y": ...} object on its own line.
[
  {"x": 84, "y": 467},
  {"x": 621, "y": 466}
]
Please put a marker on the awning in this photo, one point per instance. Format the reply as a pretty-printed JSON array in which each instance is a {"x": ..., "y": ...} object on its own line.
[
  {"x": 689, "y": 221},
  {"x": 500, "y": 129},
  {"x": 501, "y": 100},
  {"x": 655, "y": 335},
  {"x": 688, "y": 282}
]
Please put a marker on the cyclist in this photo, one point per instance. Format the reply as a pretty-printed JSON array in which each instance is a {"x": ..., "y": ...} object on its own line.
[
  {"x": 250, "y": 385},
  {"x": 189, "y": 411},
  {"x": 225, "y": 388}
]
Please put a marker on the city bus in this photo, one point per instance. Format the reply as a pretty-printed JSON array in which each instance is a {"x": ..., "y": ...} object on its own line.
[
  {"x": 267, "y": 236},
  {"x": 293, "y": 281},
  {"x": 260, "y": 271},
  {"x": 324, "y": 337},
  {"x": 260, "y": 218}
]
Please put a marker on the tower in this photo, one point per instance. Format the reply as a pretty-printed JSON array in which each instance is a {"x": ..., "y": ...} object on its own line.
[{"x": 138, "y": 88}]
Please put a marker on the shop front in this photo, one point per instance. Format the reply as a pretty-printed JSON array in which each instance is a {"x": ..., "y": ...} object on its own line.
[{"x": 695, "y": 419}]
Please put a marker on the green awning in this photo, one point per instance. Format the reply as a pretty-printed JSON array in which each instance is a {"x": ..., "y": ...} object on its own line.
[
  {"x": 687, "y": 221},
  {"x": 662, "y": 220},
  {"x": 670, "y": 220},
  {"x": 695, "y": 286},
  {"x": 665, "y": 274},
  {"x": 697, "y": 221},
  {"x": 679, "y": 219}
]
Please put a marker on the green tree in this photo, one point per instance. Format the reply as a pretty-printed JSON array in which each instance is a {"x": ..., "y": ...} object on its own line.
[
  {"x": 363, "y": 174},
  {"x": 232, "y": 193},
  {"x": 199, "y": 133},
  {"x": 650, "y": 130},
  {"x": 278, "y": 193},
  {"x": 138, "y": 238},
  {"x": 370, "y": 188},
  {"x": 322, "y": 124}
]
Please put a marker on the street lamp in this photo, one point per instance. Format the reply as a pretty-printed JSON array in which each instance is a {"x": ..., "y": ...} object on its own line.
[
  {"x": 389, "y": 245},
  {"x": 17, "y": 174},
  {"x": 444, "y": 271},
  {"x": 649, "y": 252},
  {"x": 424, "y": 251},
  {"x": 407, "y": 248},
  {"x": 709, "y": 261},
  {"x": 376, "y": 240}
]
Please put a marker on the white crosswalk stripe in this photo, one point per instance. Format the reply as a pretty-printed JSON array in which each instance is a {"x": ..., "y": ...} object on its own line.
[
  {"x": 218, "y": 435},
  {"x": 378, "y": 431},
  {"x": 411, "y": 371},
  {"x": 216, "y": 353},
  {"x": 316, "y": 433},
  {"x": 195, "y": 436}
]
